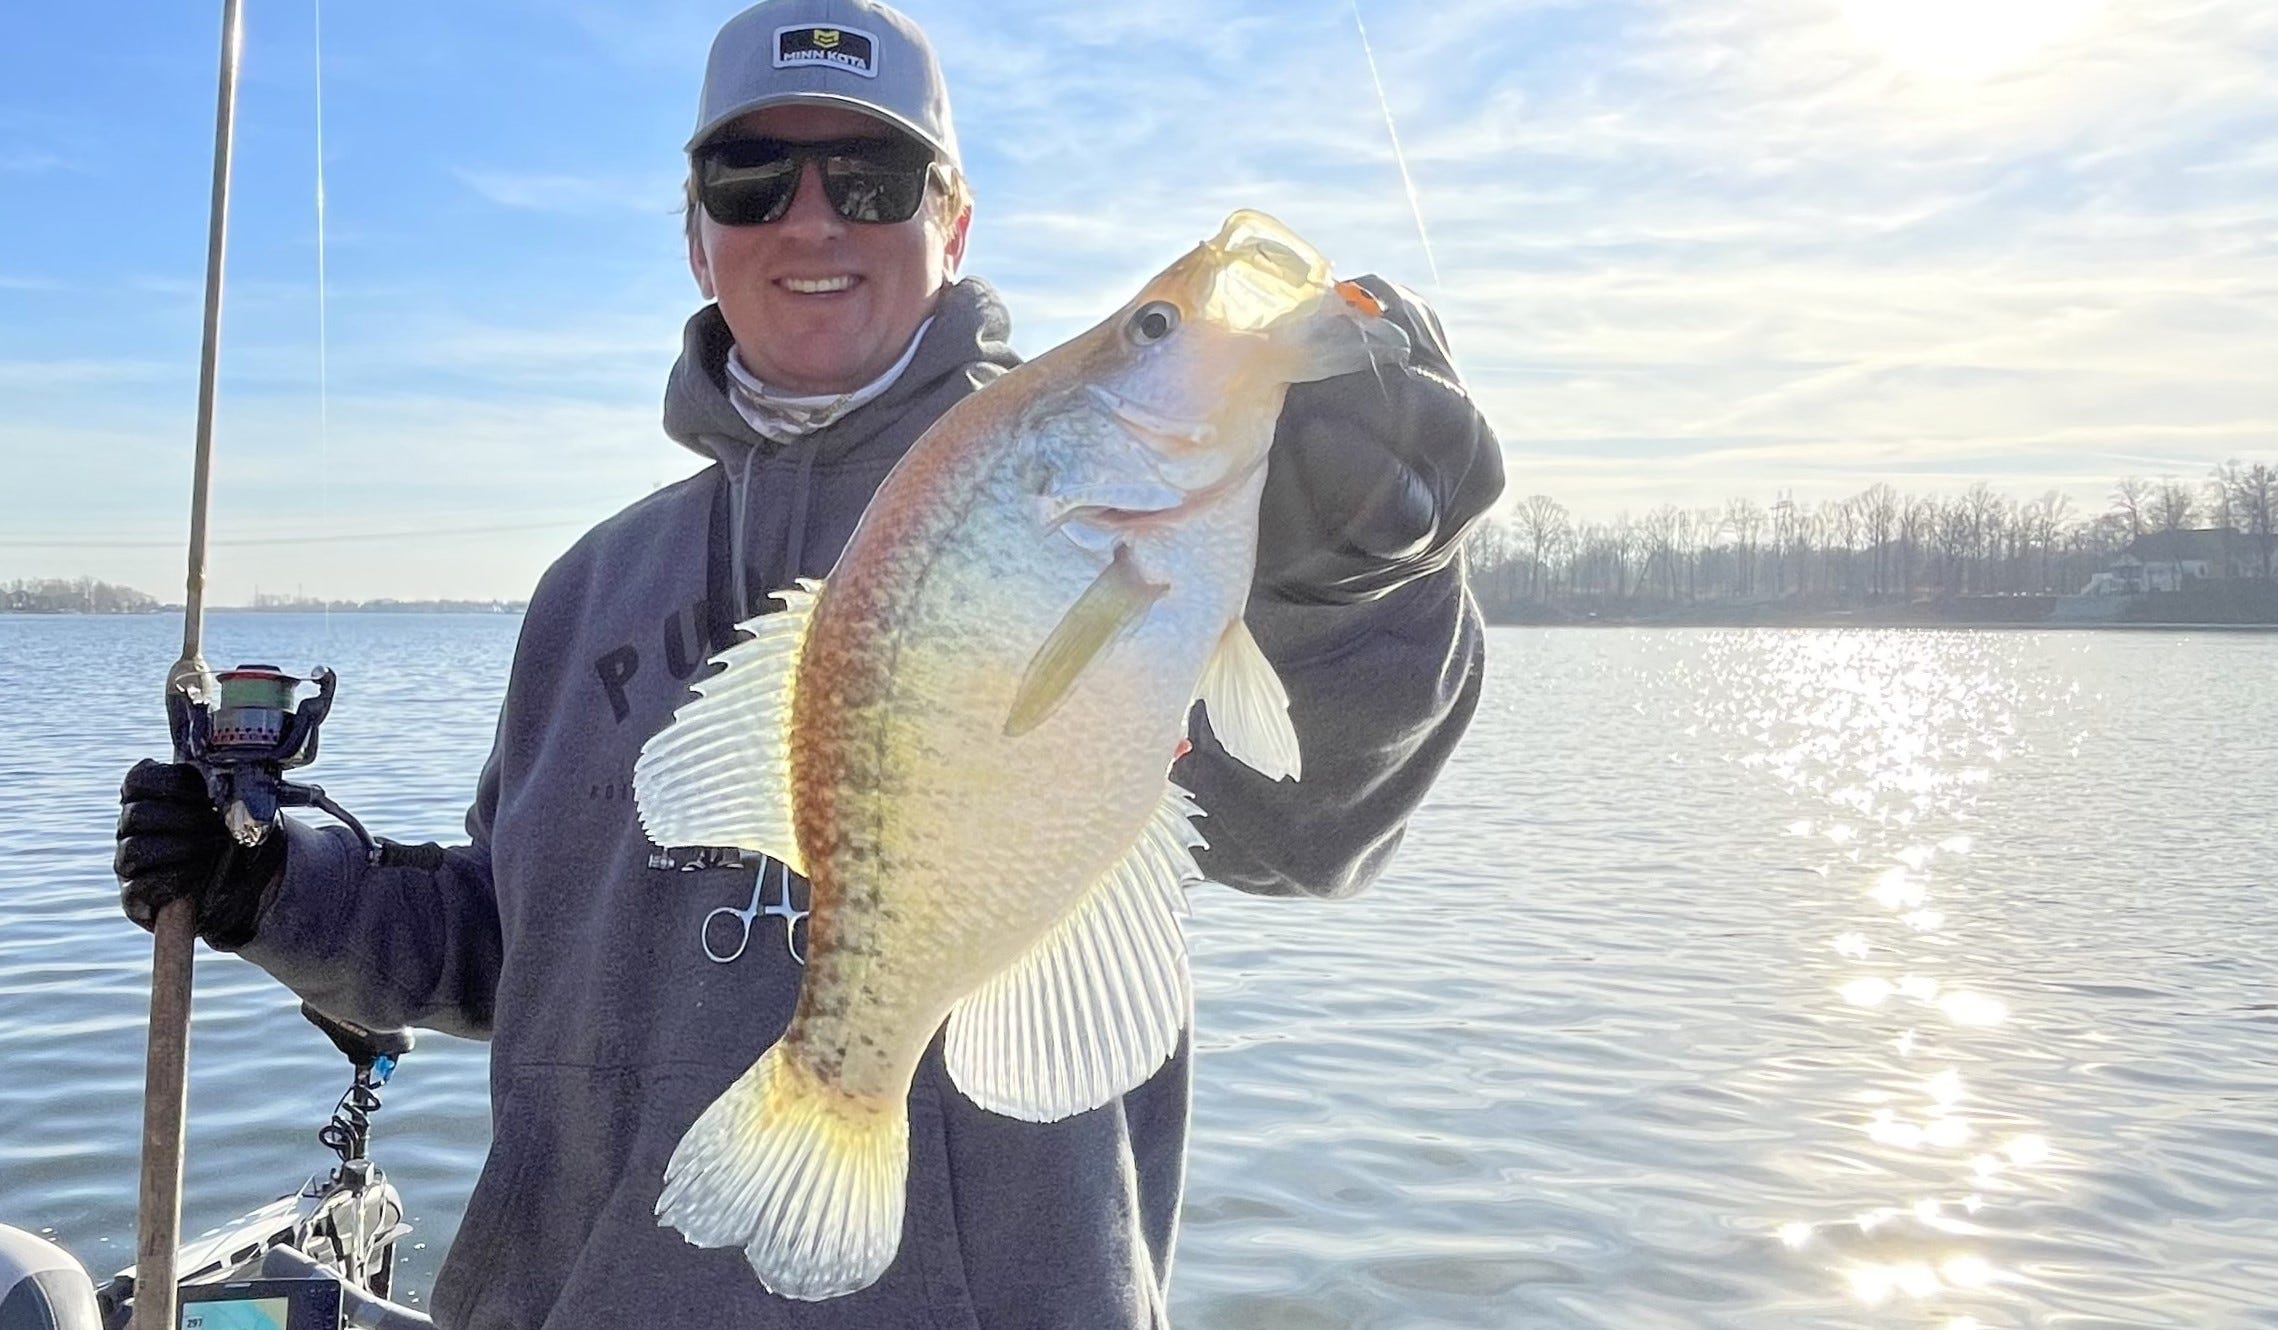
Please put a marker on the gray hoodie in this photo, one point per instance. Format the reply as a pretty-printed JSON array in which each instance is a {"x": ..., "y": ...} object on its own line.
[{"x": 579, "y": 949}]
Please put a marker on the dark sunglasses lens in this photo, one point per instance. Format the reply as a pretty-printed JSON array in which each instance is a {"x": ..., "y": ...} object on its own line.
[
  {"x": 738, "y": 195},
  {"x": 750, "y": 182},
  {"x": 863, "y": 190}
]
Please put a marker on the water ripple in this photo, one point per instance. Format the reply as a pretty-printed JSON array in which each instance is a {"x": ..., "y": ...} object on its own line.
[{"x": 1730, "y": 979}]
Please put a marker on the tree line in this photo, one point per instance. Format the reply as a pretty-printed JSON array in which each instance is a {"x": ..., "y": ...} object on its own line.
[
  {"x": 1879, "y": 546},
  {"x": 64, "y": 595}
]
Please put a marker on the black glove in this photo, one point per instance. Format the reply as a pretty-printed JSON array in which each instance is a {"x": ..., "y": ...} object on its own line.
[
  {"x": 172, "y": 844},
  {"x": 1374, "y": 475}
]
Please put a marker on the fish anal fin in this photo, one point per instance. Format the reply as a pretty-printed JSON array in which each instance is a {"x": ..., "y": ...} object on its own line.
[{"x": 1096, "y": 1006}]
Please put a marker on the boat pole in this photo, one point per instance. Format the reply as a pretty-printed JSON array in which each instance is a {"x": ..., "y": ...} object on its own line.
[{"x": 158, "y": 1214}]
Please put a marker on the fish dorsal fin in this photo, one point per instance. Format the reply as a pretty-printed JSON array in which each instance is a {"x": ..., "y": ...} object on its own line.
[
  {"x": 720, "y": 773},
  {"x": 1119, "y": 597},
  {"x": 1097, "y": 1004},
  {"x": 1247, "y": 706}
]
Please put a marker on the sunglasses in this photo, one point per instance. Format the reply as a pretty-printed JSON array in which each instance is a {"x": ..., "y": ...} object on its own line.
[{"x": 751, "y": 182}]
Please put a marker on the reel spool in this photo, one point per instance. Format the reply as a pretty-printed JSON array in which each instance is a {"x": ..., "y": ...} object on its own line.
[{"x": 246, "y": 735}]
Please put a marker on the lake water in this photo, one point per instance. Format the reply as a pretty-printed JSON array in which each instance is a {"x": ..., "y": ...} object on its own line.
[{"x": 1730, "y": 979}]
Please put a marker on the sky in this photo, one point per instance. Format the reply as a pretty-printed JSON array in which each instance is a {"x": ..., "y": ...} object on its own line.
[{"x": 1686, "y": 250}]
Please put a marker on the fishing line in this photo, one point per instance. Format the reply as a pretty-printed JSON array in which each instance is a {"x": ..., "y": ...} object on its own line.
[
  {"x": 1399, "y": 157},
  {"x": 323, "y": 344}
]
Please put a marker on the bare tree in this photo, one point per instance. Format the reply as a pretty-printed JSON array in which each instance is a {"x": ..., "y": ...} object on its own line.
[
  {"x": 2102, "y": 538},
  {"x": 2215, "y": 502},
  {"x": 2253, "y": 493},
  {"x": 1878, "y": 512},
  {"x": 1621, "y": 551},
  {"x": 1955, "y": 540},
  {"x": 2131, "y": 499},
  {"x": 1491, "y": 553},
  {"x": 1876, "y": 543},
  {"x": 1706, "y": 523},
  {"x": 1746, "y": 522},
  {"x": 1657, "y": 536},
  {"x": 1541, "y": 519},
  {"x": 2046, "y": 521},
  {"x": 2174, "y": 508},
  {"x": 1917, "y": 527},
  {"x": 1564, "y": 549},
  {"x": 1985, "y": 517},
  {"x": 2215, "y": 497},
  {"x": 1783, "y": 516}
]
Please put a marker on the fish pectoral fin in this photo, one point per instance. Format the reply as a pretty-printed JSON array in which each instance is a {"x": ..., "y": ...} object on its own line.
[
  {"x": 1096, "y": 1006},
  {"x": 720, "y": 773},
  {"x": 808, "y": 1180},
  {"x": 1248, "y": 707},
  {"x": 1119, "y": 597}
]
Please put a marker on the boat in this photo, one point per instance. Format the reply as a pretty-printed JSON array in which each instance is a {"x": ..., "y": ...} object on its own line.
[{"x": 324, "y": 1255}]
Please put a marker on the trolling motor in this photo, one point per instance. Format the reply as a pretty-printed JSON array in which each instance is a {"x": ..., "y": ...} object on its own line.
[
  {"x": 366, "y": 1218},
  {"x": 332, "y": 1244},
  {"x": 246, "y": 736}
]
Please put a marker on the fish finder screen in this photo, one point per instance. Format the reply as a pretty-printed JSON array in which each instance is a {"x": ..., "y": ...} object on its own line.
[{"x": 238, "y": 1314}]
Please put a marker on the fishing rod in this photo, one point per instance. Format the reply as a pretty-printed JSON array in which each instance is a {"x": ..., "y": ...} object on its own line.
[
  {"x": 158, "y": 1210},
  {"x": 241, "y": 730}
]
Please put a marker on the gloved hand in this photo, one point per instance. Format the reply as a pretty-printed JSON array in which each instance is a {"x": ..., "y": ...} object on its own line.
[
  {"x": 172, "y": 844},
  {"x": 1374, "y": 475}
]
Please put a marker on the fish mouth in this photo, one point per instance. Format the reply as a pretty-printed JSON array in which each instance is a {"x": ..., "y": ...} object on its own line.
[
  {"x": 1167, "y": 435},
  {"x": 1189, "y": 457}
]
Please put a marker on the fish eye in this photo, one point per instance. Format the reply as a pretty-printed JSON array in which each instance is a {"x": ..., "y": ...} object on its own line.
[{"x": 1152, "y": 322}]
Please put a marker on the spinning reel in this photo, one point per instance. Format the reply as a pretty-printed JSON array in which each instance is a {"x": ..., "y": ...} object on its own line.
[{"x": 244, "y": 735}]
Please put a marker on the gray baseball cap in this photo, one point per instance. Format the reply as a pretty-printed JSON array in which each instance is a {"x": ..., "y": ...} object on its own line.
[{"x": 853, "y": 53}]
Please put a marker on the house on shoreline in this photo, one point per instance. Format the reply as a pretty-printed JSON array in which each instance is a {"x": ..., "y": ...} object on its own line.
[{"x": 2177, "y": 560}]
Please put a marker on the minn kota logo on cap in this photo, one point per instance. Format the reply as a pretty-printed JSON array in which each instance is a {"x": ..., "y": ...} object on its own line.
[{"x": 849, "y": 49}]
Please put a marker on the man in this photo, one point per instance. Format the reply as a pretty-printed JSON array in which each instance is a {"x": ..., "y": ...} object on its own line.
[{"x": 828, "y": 220}]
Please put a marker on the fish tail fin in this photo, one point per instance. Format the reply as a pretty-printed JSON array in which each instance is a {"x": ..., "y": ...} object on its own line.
[{"x": 807, "y": 1179}]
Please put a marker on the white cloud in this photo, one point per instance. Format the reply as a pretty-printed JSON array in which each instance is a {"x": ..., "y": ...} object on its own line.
[
  {"x": 1771, "y": 244},
  {"x": 1690, "y": 249},
  {"x": 31, "y": 161},
  {"x": 533, "y": 468},
  {"x": 565, "y": 192},
  {"x": 46, "y": 374}
]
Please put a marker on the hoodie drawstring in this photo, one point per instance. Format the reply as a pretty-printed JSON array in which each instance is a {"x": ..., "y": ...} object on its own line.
[
  {"x": 795, "y": 538},
  {"x": 743, "y": 506},
  {"x": 802, "y": 488}
]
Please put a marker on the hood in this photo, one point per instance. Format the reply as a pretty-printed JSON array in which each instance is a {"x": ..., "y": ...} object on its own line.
[{"x": 970, "y": 328}]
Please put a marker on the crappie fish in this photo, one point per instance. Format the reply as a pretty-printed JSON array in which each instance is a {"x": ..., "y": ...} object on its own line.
[{"x": 962, "y": 739}]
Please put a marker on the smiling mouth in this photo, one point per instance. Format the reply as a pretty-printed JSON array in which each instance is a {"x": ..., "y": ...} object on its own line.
[{"x": 818, "y": 286}]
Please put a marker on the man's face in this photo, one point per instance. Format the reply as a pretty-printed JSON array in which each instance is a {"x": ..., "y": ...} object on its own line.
[{"x": 818, "y": 304}]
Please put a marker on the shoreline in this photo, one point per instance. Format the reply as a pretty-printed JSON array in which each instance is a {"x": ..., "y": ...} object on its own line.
[
  {"x": 175, "y": 611},
  {"x": 1878, "y": 623},
  {"x": 1887, "y": 624}
]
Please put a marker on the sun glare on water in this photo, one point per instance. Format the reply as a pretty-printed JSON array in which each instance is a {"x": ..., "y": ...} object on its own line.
[{"x": 1968, "y": 39}]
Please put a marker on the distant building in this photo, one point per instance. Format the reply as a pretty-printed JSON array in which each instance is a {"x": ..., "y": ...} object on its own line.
[{"x": 2173, "y": 560}]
